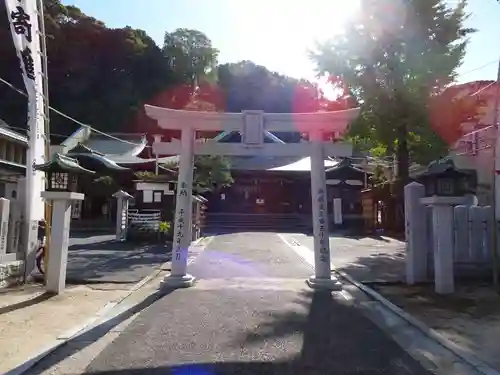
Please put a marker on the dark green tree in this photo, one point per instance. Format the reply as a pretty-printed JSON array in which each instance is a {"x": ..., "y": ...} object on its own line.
[
  {"x": 395, "y": 56},
  {"x": 98, "y": 75}
]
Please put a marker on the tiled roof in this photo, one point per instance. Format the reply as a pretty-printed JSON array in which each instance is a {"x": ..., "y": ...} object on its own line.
[
  {"x": 7, "y": 131},
  {"x": 134, "y": 145}
]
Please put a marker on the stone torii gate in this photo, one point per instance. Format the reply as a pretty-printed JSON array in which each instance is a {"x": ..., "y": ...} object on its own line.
[{"x": 251, "y": 125}]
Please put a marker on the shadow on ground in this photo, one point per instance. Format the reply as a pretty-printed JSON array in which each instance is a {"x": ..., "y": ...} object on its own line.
[
  {"x": 359, "y": 235},
  {"x": 381, "y": 267},
  {"x": 26, "y": 303},
  {"x": 96, "y": 259},
  {"x": 336, "y": 340},
  {"x": 83, "y": 340},
  {"x": 115, "y": 263}
]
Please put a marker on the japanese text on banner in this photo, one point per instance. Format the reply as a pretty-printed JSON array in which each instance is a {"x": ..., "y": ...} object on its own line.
[
  {"x": 323, "y": 237},
  {"x": 23, "y": 20}
]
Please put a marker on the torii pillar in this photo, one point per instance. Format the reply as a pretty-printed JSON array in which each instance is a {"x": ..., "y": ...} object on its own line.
[{"x": 322, "y": 278}]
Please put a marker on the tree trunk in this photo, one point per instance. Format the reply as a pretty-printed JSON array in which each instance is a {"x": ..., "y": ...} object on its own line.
[{"x": 402, "y": 153}]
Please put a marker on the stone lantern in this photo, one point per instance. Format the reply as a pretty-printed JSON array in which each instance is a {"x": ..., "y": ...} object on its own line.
[
  {"x": 61, "y": 172},
  {"x": 445, "y": 187},
  {"x": 443, "y": 179}
]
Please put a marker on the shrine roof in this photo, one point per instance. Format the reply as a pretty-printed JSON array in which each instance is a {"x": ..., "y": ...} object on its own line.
[
  {"x": 114, "y": 161},
  {"x": 235, "y": 137},
  {"x": 134, "y": 144},
  {"x": 262, "y": 163},
  {"x": 8, "y": 132},
  {"x": 114, "y": 144},
  {"x": 345, "y": 164},
  {"x": 62, "y": 163},
  {"x": 129, "y": 160}
]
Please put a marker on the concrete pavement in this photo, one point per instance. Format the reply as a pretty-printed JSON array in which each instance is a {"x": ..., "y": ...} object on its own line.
[
  {"x": 32, "y": 321},
  {"x": 251, "y": 313}
]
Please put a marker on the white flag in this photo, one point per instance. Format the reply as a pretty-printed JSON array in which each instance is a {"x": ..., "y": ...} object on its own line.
[{"x": 23, "y": 19}]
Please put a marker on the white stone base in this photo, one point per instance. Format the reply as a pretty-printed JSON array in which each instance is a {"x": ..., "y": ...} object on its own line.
[
  {"x": 175, "y": 282},
  {"x": 326, "y": 284}
]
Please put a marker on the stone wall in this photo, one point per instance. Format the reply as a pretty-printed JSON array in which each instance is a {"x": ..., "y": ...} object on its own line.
[{"x": 11, "y": 273}]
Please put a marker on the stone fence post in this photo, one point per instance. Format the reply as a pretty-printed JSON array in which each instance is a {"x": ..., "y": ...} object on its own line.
[
  {"x": 4, "y": 226},
  {"x": 416, "y": 234}
]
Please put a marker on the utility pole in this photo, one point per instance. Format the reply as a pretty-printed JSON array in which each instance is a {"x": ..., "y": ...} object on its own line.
[{"x": 496, "y": 177}]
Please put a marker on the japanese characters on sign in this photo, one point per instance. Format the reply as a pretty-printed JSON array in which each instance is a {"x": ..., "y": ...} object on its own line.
[
  {"x": 21, "y": 22},
  {"x": 24, "y": 21},
  {"x": 323, "y": 237},
  {"x": 183, "y": 190},
  {"x": 3, "y": 235},
  {"x": 24, "y": 26},
  {"x": 180, "y": 223}
]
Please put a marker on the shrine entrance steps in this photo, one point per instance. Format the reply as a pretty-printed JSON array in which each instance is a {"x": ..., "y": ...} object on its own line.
[{"x": 238, "y": 222}]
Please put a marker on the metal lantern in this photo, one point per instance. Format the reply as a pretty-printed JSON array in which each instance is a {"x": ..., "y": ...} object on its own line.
[
  {"x": 442, "y": 178},
  {"x": 62, "y": 173}
]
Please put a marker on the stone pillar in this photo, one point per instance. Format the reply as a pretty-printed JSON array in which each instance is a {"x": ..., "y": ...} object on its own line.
[
  {"x": 183, "y": 215},
  {"x": 443, "y": 240},
  {"x": 55, "y": 277},
  {"x": 442, "y": 221},
  {"x": 4, "y": 225},
  {"x": 122, "y": 203},
  {"x": 416, "y": 234},
  {"x": 337, "y": 211},
  {"x": 15, "y": 222},
  {"x": 322, "y": 278}
]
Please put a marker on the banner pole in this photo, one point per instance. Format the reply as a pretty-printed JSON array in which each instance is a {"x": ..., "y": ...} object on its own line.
[{"x": 43, "y": 47}]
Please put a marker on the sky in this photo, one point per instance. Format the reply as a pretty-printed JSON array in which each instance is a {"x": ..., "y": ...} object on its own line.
[{"x": 279, "y": 33}]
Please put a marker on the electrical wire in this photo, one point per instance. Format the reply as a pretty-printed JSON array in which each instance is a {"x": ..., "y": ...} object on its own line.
[
  {"x": 71, "y": 118},
  {"x": 382, "y": 160},
  {"x": 478, "y": 68}
]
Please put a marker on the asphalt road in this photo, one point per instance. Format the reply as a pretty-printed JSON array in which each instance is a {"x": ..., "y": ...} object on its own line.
[
  {"x": 367, "y": 259},
  {"x": 251, "y": 314}
]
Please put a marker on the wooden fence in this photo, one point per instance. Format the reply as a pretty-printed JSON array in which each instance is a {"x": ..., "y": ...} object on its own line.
[{"x": 144, "y": 220}]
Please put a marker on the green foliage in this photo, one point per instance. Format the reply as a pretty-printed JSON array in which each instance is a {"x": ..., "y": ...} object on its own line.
[
  {"x": 151, "y": 176},
  {"x": 164, "y": 227},
  {"x": 247, "y": 86},
  {"x": 211, "y": 172},
  {"x": 191, "y": 55},
  {"x": 396, "y": 55},
  {"x": 98, "y": 75}
]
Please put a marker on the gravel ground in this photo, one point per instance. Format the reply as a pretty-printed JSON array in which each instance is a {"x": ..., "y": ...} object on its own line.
[{"x": 251, "y": 313}]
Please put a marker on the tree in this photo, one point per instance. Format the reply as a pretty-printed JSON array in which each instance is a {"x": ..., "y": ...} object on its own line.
[
  {"x": 211, "y": 172},
  {"x": 97, "y": 75},
  {"x": 191, "y": 55},
  {"x": 394, "y": 56}
]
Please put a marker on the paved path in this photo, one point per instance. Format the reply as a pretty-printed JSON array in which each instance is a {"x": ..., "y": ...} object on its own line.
[
  {"x": 251, "y": 314},
  {"x": 367, "y": 259},
  {"x": 100, "y": 259}
]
